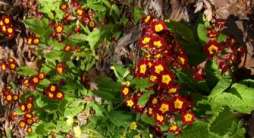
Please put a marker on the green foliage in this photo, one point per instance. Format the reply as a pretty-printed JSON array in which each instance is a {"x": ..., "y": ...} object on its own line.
[{"x": 185, "y": 35}]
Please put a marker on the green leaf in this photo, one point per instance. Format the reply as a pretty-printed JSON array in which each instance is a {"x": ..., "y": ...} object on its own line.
[
  {"x": 239, "y": 98},
  {"x": 52, "y": 9},
  {"x": 108, "y": 89},
  {"x": 199, "y": 129},
  {"x": 137, "y": 14},
  {"x": 78, "y": 37},
  {"x": 222, "y": 123},
  {"x": 141, "y": 84},
  {"x": 213, "y": 73},
  {"x": 73, "y": 109},
  {"x": 93, "y": 37},
  {"x": 144, "y": 98},
  {"x": 26, "y": 71},
  {"x": 146, "y": 119},
  {"x": 120, "y": 118},
  {"x": 202, "y": 33},
  {"x": 39, "y": 26},
  {"x": 44, "y": 128},
  {"x": 54, "y": 56},
  {"x": 55, "y": 44},
  {"x": 184, "y": 35},
  {"x": 221, "y": 38},
  {"x": 97, "y": 108},
  {"x": 120, "y": 72},
  {"x": 221, "y": 86}
]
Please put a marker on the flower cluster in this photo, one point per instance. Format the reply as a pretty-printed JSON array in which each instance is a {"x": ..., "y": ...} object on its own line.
[
  {"x": 8, "y": 96},
  {"x": 227, "y": 54},
  {"x": 8, "y": 65},
  {"x": 33, "y": 81},
  {"x": 26, "y": 120},
  {"x": 7, "y": 27},
  {"x": 33, "y": 40},
  {"x": 53, "y": 92},
  {"x": 73, "y": 11},
  {"x": 162, "y": 55}
]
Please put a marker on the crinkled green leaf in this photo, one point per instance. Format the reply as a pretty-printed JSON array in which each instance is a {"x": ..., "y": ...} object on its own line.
[
  {"x": 52, "y": 9},
  {"x": 26, "y": 71}
]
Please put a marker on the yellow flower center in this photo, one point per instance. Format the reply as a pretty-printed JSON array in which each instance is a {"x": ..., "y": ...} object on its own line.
[
  {"x": 212, "y": 49},
  {"x": 59, "y": 95},
  {"x": 159, "y": 117},
  {"x": 150, "y": 111},
  {"x": 158, "y": 56},
  {"x": 9, "y": 97},
  {"x": 178, "y": 104},
  {"x": 154, "y": 101},
  {"x": 164, "y": 108},
  {"x": 36, "y": 41},
  {"x": 125, "y": 90},
  {"x": 29, "y": 106},
  {"x": 182, "y": 60},
  {"x": 173, "y": 127},
  {"x": 166, "y": 79},
  {"x": 153, "y": 78},
  {"x": 35, "y": 80},
  {"x": 188, "y": 117},
  {"x": 147, "y": 19},
  {"x": 52, "y": 88},
  {"x": 59, "y": 29},
  {"x": 159, "y": 69},
  {"x": 130, "y": 103},
  {"x": 158, "y": 44},
  {"x": 146, "y": 40},
  {"x": 158, "y": 27},
  {"x": 50, "y": 95},
  {"x": 10, "y": 30},
  {"x": 172, "y": 90},
  {"x": 6, "y": 20},
  {"x": 3, "y": 67},
  {"x": 12, "y": 66},
  {"x": 22, "y": 124},
  {"x": 142, "y": 68},
  {"x": 79, "y": 12}
]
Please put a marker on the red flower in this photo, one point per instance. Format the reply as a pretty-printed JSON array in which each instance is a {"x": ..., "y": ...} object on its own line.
[
  {"x": 58, "y": 28},
  {"x": 211, "y": 48},
  {"x": 182, "y": 59},
  {"x": 174, "y": 129},
  {"x": 181, "y": 104},
  {"x": 159, "y": 26},
  {"x": 125, "y": 90},
  {"x": 159, "y": 118},
  {"x": 142, "y": 68},
  {"x": 64, "y": 6},
  {"x": 158, "y": 42},
  {"x": 158, "y": 67},
  {"x": 188, "y": 118},
  {"x": 59, "y": 95},
  {"x": 166, "y": 79},
  {"x": 165, "y": 107},
  {"x": 145, "y": 41},
  {"x": 154, "y": 78},
  {"x": 173, "y": 89}
]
